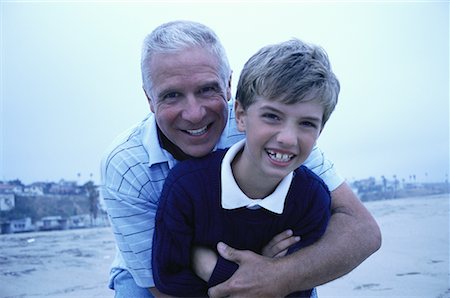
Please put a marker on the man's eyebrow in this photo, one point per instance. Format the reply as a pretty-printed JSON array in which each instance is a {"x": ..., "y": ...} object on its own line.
[{"x": 215, "y": 84}]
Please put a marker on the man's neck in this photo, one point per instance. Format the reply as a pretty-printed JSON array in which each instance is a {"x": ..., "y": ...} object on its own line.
[{"x": 173, "y": 149}]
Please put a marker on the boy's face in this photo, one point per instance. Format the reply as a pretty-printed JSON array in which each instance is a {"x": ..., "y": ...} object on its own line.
[{"x": 279, "y": 136}]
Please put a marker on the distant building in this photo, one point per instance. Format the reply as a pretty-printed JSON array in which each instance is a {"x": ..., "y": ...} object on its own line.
[
  {"x": 17, "y": 226},
  {"x": 64, "y": 187},
  {"x": 7, "y": 201},
  {"x": 34, "y": 189},
  {"x": 79, "y": 221},
  {"x": 52, "y": 223},
  {"x": 9, "y": 188}
]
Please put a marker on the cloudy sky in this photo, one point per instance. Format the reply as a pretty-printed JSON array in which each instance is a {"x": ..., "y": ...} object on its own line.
[{"x": 70, "y": 78}]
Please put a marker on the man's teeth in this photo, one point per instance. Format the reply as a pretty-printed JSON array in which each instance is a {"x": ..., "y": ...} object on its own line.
[
  {"x": 197, "y": 132},
  {"x": 282, "y": 157}
]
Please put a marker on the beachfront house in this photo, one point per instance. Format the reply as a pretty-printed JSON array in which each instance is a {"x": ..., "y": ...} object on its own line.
[
  {"x": 49, "y": 223},
  {"x": 17, "y": 226}
]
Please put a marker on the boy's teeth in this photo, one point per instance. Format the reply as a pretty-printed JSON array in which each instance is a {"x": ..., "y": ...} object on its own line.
[
  {"x": 280, "y": 156},
  {"x": 197, "y": 132}
]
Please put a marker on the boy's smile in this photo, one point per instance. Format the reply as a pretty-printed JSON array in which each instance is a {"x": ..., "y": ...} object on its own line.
[{"x": 279, "y": 138}]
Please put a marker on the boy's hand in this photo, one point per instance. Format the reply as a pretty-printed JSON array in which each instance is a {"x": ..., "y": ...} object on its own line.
[
  {"x": 280, "y": 244},
  {"x": 203, "y": 262}
]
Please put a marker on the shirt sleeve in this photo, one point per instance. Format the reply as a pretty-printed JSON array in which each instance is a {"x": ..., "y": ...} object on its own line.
[
  {"x": 172, "y": 243},
  {"x": 324, "y": 168},
  {"x": 131, "y": 199}
]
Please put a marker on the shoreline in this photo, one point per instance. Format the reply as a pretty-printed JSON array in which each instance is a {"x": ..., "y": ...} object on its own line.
[{"x": 412, "y": 262}]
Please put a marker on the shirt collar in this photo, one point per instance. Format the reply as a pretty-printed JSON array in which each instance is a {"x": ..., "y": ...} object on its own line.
[
  {"x": 150, "y": 140},
  {"x": 232, "y": 196}
]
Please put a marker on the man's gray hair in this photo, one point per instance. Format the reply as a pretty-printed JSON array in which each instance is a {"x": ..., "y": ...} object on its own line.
[
  {"x": 289, "y": 72},
  {"x": 176, "y": 36}
]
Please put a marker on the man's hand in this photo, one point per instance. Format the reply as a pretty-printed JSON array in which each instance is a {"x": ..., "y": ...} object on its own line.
[
  {"x": 252, "y": 279},
  {"x": 204, "y": 259}
]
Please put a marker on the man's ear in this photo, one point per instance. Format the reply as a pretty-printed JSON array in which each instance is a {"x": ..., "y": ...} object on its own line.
[
  {"x": 150, "y": 102},
  {"x": 239, "y": 114}
]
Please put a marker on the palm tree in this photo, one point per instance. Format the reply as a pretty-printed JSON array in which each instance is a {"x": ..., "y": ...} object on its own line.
[{"x": 92, "y": 193}]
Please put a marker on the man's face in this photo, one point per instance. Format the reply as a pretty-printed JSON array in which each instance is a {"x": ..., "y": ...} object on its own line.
[{"x": 189, "y": 99}]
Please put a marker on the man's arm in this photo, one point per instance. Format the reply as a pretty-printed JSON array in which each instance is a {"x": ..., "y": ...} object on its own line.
[{"x": 352, "y": 236}]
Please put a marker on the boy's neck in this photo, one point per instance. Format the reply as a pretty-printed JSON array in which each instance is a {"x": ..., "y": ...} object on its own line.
[{"x": 251, "y": 185}]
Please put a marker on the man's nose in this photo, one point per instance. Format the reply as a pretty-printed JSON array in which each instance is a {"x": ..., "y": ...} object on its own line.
[{"x": 194, "y": 111}]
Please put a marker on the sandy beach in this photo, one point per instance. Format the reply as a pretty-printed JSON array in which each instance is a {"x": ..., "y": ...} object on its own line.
[{"x": 413, "y": 260}]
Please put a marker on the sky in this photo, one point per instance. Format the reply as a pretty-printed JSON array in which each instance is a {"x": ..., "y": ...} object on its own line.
[{"x": 70, "y": 78}]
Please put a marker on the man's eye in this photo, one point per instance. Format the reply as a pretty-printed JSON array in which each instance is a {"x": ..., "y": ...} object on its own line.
[
  {"x": 207, "y": 90},
  {"x": 171, "y": 95}
]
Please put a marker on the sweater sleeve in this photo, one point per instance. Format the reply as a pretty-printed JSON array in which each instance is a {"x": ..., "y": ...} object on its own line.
[
  {"x": 313, "y": 224},
  {"x": 224, "y": 270},
  {"x": 172, "y": 241}
]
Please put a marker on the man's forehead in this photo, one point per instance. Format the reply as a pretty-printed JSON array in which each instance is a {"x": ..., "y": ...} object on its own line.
[{"x": 186, "y": 56}]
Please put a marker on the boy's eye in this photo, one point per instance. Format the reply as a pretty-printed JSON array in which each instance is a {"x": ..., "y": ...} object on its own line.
[
  {"x": 271, "y": 116},
  {"x": 308, "y": 124}
]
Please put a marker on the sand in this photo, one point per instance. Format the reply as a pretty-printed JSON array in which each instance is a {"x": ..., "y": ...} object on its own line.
[
  {"x": 413, "y": 260},
  {"x": 71, "y": 263}
]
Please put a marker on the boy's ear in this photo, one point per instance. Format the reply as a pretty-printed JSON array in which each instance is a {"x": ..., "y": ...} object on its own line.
[
  {"x": 229, "y": 88},
  {"x": 239, "y": 114}
]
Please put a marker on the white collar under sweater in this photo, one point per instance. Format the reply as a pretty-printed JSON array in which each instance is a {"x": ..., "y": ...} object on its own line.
[{"x": 232, "y": 196}]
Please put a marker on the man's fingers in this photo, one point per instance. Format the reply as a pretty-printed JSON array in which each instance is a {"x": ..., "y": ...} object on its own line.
[{"x": 227, "y": 252}]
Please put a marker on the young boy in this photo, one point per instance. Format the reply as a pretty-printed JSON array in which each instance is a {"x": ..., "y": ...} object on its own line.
[{"x": 256, "y": 189}]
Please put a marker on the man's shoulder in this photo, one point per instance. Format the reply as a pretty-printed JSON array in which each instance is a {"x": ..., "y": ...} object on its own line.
[{"x": 127, "y": 149}]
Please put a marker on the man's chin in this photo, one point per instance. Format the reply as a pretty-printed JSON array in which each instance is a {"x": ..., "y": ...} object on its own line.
[{"x": 199, "y": 151}]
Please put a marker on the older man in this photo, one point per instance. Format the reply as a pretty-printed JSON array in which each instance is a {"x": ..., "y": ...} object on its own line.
[{"x": 187, "y": 80}]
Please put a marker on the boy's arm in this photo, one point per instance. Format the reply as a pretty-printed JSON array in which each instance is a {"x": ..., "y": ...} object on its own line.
[
  {"x": 204, "y": 259},
  {"x": 352, "y": 236},
  {"x": 172, "y": 241}
]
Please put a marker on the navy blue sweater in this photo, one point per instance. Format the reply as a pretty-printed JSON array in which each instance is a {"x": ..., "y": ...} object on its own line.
[{"x": 190, "y": 213}]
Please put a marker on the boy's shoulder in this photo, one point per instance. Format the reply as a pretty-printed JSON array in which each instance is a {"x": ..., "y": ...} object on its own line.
[{"x": 303, "y": 173}]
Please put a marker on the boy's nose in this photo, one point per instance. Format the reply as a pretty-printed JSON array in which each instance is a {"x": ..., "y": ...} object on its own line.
[{"x": 287, "y": 137}]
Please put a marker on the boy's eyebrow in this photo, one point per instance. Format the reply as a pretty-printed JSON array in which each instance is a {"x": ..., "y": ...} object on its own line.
[{"x": 309, "y": 118}]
